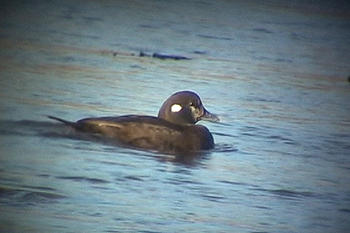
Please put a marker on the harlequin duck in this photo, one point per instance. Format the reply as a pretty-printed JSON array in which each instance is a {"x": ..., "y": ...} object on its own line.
[{"x": 173, "y": 131}]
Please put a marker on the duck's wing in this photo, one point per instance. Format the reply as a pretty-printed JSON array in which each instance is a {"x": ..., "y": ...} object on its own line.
[
  {"x": 146, "y": 132},
  {"x": 133, "y": 130},
  {"x": 136, "y": 131}
]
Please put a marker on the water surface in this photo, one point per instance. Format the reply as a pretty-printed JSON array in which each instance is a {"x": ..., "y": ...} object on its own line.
[{"x": 275, "y": 73}]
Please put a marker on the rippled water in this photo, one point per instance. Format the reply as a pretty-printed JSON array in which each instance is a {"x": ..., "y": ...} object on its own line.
[{"x": 275, "y": 73}]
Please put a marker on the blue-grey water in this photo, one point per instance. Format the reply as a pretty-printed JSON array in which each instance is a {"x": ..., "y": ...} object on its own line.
[{"x": 275, "y": 72}]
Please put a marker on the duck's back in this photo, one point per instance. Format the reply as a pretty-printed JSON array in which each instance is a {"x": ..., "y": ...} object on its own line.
[{"x": 149, "y": 133}]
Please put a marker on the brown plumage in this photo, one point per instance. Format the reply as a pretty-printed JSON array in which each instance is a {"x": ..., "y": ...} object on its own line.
[{"x": 173, "y": 131}]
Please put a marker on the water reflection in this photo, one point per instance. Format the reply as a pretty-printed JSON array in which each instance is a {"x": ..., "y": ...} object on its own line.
[{"x": 57, "y": 131}]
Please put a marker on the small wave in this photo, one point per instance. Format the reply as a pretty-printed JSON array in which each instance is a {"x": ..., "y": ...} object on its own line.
[
  {"x": 289, "y": 194},
  {"x": 82, "y": 179},
  {"x": 283, "y": 139},
  {"x": 234, "y": 183},
  {"x": 223, "y": 148},
  {"x": 213, "y": 197},
  {"x": 29, "y": 194},
  {"x": 133, "y": 178},
  {"x": 223, "y": 134},
  {"x": 345, "y": 210},
  {"x": 23, "y": 127},
  {"x": 262, "y": 30},
  {"x": 214, "y": 37}
]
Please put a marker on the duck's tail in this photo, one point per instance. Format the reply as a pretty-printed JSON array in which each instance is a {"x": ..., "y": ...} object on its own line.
[{"x": 70, "y": 123}]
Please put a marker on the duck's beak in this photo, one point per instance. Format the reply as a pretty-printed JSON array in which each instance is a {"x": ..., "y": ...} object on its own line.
[{"x": 207, "y": 116}]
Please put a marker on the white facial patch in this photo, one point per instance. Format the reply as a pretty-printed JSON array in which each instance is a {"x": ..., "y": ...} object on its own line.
[{"x": 176, "y": 108}]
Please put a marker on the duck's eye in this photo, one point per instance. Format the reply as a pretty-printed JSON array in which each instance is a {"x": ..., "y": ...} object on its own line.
[
  {"x": 176, "y": 108},
  {"x": 192, "y": 104}
]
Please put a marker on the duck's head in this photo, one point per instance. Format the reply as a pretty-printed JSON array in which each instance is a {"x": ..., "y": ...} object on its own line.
[{"x": 185, "y": 107}]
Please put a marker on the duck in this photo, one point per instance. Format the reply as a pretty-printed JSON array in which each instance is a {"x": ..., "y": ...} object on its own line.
[{"x": 174, "y": 130}]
